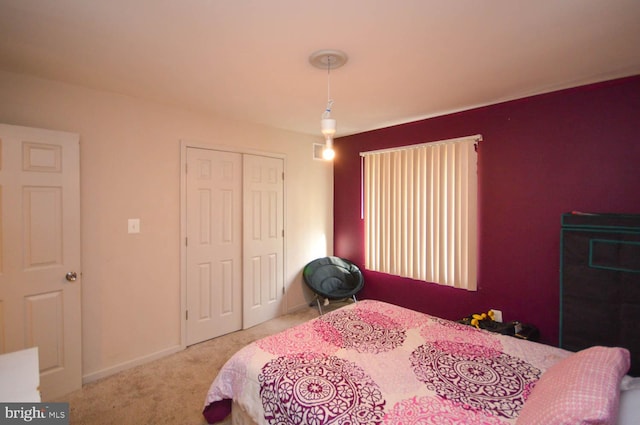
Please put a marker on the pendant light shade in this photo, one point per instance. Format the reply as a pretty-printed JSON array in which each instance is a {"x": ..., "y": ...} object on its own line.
[
  {"x": 328, "y": 127},
  {"x": 327, "y": 59}
]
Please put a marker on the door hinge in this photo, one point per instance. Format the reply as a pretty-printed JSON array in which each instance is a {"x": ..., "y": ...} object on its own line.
[
  {"x": 186, "y": 241},
  {"x": 283, "y": 175},
  {"x": 186, "y": 167},
  {"x": 186, "y": 315},
  {"x": 283, "y": 233},
  {"x": 283, "y": 290}
]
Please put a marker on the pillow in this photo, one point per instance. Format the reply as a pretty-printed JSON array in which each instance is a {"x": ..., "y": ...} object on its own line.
[{"x": 583, "y": 388}]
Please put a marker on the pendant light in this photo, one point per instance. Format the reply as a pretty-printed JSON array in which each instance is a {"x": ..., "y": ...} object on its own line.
[{"x": 328, "y": 59}]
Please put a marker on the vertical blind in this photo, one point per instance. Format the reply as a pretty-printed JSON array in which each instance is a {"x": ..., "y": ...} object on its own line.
[{"x": 420, "y": 211}]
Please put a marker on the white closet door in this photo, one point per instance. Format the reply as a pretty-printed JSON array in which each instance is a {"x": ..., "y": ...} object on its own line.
[
  {"x": 214, "y": 244},
  {"x": 263, "y": 240}
]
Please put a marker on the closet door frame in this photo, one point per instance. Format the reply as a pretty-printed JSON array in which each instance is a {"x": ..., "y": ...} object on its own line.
[{"x": 184, "y": 145}]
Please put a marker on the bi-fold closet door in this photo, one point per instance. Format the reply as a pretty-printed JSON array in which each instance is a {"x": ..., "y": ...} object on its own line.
[{"x": 234, "y": 241}]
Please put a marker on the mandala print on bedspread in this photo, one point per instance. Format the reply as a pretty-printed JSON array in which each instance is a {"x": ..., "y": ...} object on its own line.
[
  {"x": 436, "y": 411},
  {"x": 361, "y": 330},
  {"x": 298, "y": 339},
  {"x": 444, "y": 330},
  {"x": 475, "y": 376},
  {"x": 318, "y": 389}
]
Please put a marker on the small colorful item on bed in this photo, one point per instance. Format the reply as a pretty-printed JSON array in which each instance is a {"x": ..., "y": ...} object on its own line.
[{"x": 477, "y": 319}]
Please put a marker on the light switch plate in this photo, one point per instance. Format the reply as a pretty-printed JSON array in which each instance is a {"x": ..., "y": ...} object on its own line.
[{"x": 134, "y": 225}]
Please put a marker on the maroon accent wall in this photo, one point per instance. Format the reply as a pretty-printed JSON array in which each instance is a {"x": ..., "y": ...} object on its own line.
[{"x": 576, "y": 149}]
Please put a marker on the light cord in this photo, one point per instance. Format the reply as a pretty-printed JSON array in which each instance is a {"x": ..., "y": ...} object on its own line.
[{"x": 327, "y": 111}]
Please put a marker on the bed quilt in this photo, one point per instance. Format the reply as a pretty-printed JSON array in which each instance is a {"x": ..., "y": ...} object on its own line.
[{"x": 376, "y": 363}]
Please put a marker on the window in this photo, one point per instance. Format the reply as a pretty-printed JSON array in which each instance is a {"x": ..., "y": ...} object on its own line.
[{"x": 420, "y": 211}]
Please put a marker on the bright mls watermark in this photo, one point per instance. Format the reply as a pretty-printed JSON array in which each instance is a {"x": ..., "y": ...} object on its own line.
[{"x": 34, "y": 413}]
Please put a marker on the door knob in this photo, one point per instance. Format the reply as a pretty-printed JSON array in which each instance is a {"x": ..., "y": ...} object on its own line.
[{"x": 71, "y": 276}]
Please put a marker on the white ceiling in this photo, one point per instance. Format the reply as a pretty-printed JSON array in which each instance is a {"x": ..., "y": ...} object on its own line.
[{"x": 248, "y": 59}]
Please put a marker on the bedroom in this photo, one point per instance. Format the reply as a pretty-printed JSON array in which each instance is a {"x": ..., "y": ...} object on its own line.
[{"x": 130, "y": 163}]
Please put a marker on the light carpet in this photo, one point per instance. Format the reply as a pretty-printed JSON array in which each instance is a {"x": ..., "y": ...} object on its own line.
[{"x": 170, "y": 390}]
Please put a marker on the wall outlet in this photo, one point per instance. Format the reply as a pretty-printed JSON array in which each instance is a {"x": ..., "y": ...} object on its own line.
[{"x": 497, "y": 315}]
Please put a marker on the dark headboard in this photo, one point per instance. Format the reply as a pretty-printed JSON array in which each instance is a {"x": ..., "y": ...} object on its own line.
[{"x": 600, "y": 282}]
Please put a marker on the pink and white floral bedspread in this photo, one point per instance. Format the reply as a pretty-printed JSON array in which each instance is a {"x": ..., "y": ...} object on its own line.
[{"x": 377, "y": 363}]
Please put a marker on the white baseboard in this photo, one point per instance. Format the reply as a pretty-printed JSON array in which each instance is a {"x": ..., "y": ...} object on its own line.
[{"x": 94, "y": 376}]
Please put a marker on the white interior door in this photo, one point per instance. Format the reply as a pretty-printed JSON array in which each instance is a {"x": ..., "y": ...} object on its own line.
[
  {"x": 263, "y": 240},
  {"x": 40, "y": 271},
  {"x": 214, "y": 243}
]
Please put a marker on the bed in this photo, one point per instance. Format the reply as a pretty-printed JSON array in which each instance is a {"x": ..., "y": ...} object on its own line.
[{"x": 376, "y": 363}]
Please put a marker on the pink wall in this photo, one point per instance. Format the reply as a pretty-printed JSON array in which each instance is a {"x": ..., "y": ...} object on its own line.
[{"x": 576, "y": 149}]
